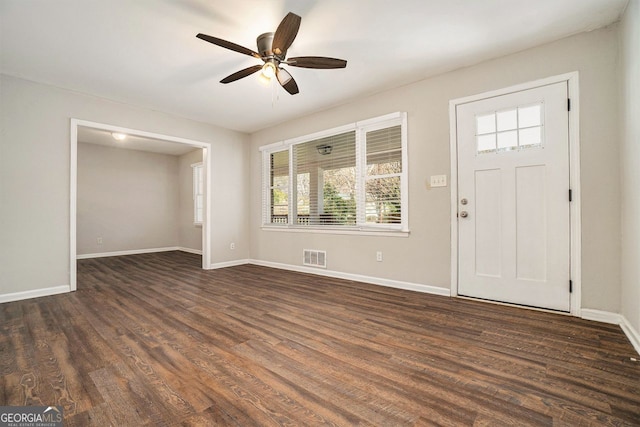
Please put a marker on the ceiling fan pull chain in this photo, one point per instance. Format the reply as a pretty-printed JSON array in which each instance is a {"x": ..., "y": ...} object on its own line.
[{"x": 274, "y": 94}]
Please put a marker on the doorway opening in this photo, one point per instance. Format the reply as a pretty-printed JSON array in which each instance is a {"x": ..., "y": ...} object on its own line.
[{"x": 157, "y": 146}]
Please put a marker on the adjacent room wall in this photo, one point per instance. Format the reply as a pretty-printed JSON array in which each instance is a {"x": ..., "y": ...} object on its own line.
[
  {"x": 128, "y": 198},
  {"x": 34, "y": 179},
  {"x": 424, "y": 257},
  {"x": 189, "y": 234},
  {"x": 630, "y": 162}
]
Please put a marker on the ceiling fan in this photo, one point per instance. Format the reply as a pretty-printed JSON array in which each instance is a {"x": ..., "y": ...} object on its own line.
[{"x": 272, "y": 50}]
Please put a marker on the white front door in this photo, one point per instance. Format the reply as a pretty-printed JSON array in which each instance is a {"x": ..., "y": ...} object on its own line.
[{"x": 513, "y": 206}]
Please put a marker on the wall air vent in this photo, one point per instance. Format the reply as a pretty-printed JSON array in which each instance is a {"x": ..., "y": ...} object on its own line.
[{"x": 314, "y": 258}]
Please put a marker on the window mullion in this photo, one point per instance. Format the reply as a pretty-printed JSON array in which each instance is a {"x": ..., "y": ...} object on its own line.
[
  {"x": 266, "y": 188},
  {"x": 293, "y": 191},
  {"x": 404, "y": 179},
  {"x": 361, "y": 172}
]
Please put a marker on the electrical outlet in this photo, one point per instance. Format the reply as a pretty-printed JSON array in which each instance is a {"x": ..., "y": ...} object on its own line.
[
  {"x": 232, "y": 246},
  {"x": 379, "y": 256},
  {"x": 99, "y": 240},
  {"x": 438, "y": 181}
]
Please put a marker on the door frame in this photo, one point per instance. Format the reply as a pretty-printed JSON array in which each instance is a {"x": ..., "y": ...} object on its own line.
[
  {"x": 73, "y": 186},
  {"x": 574, "y": 177}
]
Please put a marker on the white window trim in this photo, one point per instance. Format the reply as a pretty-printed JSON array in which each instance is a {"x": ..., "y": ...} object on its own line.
[{"x": 360, "y": 128}]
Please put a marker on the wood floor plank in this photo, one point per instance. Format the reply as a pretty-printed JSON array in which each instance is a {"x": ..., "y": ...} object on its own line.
[
  {"x": 99, "y": 415},
  {"x": 153, "y": 339},
  {"x": 342, "y": 395}
]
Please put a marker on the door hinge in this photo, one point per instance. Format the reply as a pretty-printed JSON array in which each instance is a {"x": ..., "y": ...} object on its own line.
[
  {"x": 570, "y": 286},
  {"x": 570, "y": 195},
  {"x": 568, "y": 104}
]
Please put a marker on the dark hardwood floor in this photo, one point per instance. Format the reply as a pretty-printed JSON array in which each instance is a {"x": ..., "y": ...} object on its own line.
[{"x": 154, "y": 340}]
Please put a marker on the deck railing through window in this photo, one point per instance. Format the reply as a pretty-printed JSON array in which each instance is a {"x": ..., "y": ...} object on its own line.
[{"x": 284, "y": 219}]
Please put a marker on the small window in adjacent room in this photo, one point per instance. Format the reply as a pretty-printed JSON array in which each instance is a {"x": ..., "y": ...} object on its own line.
[{"x": 198, "y": 193}]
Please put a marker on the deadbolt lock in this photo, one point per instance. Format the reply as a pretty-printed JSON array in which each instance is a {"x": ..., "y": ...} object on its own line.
[{"x": 464, "y": 201}]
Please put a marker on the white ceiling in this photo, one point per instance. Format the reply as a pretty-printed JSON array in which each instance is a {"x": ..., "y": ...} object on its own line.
[
  {"x": 132, "y": 142},
  {"x": 145, "y": 52}
]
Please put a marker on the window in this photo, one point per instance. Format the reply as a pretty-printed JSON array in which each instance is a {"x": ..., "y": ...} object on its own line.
[
  {"x": 198, "y": 193},
  {"x": 325, "y": 179},
  {"x": 384, "y": 174},
  {"x": 350, "y": 178},
  {"x": 508, "y": 130},
  {"x": 279, "y": 187}
]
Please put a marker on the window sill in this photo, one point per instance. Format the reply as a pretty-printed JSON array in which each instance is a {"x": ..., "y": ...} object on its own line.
[{"x": 356, "y": 231}]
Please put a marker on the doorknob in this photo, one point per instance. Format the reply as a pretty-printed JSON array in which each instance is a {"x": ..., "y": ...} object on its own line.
[{"x": 464, "y": 214}]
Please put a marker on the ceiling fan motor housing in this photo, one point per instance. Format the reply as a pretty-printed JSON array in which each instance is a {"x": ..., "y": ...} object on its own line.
[{"x": 265, "y": 42}]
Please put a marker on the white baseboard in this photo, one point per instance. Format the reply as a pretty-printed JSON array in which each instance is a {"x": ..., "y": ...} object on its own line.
[
  {"x": 36, "y": 293},
  {"x": 189, "y": 250},
  {"x": 588, "y": 314},
  {"x": 615, "y": 319},
  {"x": 228, "y": 264},
  {"x": 358, "y": 278},
  {"x": 631, "y": 333},
  {"x": 130, "y": 252},
  {"x": 601, "y": 316}
]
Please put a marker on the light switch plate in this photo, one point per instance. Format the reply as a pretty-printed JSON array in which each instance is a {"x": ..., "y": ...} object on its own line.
[{"x": 438, "y": 181}]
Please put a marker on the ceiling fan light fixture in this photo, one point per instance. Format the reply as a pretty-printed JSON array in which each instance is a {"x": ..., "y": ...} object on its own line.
[
  {"x": 269, "y": 70},
  {"x": 272, "y": 50},
  {"x": 118, "y": 136},
  {"x": 283, "y": 76},
  {"x": 264, "y": 80}
]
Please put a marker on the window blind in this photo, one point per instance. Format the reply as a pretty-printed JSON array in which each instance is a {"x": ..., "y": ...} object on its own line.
[
  {"x": 279, "y": 187},
  {"x": 325, "y": 172},
  {"x": 384, "y": 170}
]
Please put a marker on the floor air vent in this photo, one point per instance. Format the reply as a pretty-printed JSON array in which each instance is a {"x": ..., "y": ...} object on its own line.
[{"x": 314, "y": 258}]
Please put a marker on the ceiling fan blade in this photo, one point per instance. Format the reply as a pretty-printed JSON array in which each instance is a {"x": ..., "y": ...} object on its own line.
[
  {"x": 316, "y": 62},
  {"x": 285, "y": 34},
  {"x": 228, "y": 45},
  {"x": 241, "y": 74},
  {"x": 286, "y": 81}
]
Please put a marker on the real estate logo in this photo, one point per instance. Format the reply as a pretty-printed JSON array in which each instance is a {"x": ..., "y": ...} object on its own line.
[{"x": 31, "y": 416}]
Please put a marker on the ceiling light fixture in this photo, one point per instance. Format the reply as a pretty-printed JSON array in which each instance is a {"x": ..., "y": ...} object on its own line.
[
  {"x": 118, "y": 136},
  {"x": 269, "y": 70}
]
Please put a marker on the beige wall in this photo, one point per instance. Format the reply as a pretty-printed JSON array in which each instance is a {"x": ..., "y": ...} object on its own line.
[
  {"x": 424, "y": 257},
  {"x": 34, "y": 178},
  {"x": 128, "y": 198},
  {"x": 34, "y": 172},
  {"x": 189, "y": 234},
  {"x": 630, "y": 162}
]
